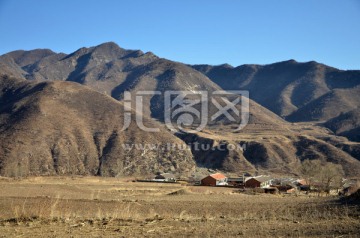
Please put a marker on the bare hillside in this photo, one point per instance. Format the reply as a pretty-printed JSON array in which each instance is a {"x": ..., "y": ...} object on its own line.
[
  {"x": 68, "y": 128},
  {"x": 296, "y": 91},
  {"x": 346, "y": 124},
  {"x": 65, "y": 128}
]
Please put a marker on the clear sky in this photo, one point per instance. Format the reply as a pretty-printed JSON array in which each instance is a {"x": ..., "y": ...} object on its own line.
[{"x": 191, "y": 31}]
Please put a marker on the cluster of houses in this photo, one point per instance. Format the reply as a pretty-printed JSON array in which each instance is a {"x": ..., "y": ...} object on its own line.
[
  {"x": 267, "y": 183},
  {"x": 219, "y": 179}
]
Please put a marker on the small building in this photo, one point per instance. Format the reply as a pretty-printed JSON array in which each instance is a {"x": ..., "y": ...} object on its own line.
[
  {"x": 258, "y": 182},
  {"x": 284, "y": 181},
  {"x": 214, "y": 180},
  {"x": 303, "y": 185},
  {"x": 301, "y": 182},
  {"x": 236, "y": 182},
  {"x": 166, "y": 177}
]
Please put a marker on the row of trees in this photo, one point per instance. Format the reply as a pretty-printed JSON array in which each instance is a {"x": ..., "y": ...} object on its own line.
[{"x": 322, "y": 176}]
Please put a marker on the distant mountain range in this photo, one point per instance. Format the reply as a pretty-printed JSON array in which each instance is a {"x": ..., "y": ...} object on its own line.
[
  {"x": 49, "y": 126},
  {"x": 295, "y": 91}
]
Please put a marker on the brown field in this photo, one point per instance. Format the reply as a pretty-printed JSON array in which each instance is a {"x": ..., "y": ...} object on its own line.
[{"x": 110, "y": 207}]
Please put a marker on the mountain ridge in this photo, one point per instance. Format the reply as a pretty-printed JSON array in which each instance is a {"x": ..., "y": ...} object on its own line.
[
  {"x": 274, "y": 145},
  {"x": 64, "y": 128},
  {"x": 298, "y": 92}
]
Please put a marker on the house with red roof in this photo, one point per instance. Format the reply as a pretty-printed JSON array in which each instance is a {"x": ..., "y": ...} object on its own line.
[
  {"x": 258, "y": 182},
  {"x": 214, "y": 180}
]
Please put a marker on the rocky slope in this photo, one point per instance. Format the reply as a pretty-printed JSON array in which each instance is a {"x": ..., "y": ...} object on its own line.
[
  {"x": 64, "y": 128},
  {"x": 269, "y": 153},
  {"x": 57, "y": 127},
  {"x": 111, "y": 70},
  {"x": 296, "y": 91},
  {"x": 346, "y": 124}
]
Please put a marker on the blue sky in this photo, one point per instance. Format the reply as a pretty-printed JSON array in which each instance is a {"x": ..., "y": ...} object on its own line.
[{"x": 189, "y": 31}]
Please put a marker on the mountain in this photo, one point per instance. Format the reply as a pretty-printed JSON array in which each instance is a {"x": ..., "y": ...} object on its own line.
[
  {"x": 329, "y": 105},
  {"x": 266, "y": 152},
  {"x": 346, "y": 124},
  {"x": 111, "y": 70},
  {"x": 24, "y": 58},
  {"x": 295, "y": 91},
  {"x": 64, "y": 128},
  {"x": 97, "y": 79}
]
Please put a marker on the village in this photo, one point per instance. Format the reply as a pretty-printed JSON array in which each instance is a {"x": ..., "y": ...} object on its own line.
[{"x": 260, "y": 183}]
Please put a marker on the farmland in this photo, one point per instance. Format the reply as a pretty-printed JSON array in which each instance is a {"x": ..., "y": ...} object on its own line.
[{"x": 113, "y": 207}]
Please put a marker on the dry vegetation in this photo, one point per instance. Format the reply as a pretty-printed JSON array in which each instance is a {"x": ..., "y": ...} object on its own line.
[
  {"x": 66, "y": 128},
  {"x": 110, "y": 207}
]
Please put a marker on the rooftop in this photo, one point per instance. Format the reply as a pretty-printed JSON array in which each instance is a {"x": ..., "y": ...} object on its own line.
[
  {"x": 217, "y": 176},
  {"x": 261, "y": 178},
  {"x": 167, "y": 175}
]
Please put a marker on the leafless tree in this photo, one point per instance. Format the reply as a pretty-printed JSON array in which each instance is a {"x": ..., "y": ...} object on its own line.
[
  {"x": 310, "y": 170},
  {"x": 330, "y": 177},
  {"x": 322, "y": 176}
]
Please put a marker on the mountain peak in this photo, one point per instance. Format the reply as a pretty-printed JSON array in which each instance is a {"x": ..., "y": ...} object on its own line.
[
  {"x": 109, "y": 50},
  {"x": 109, "y": 44},
  {"x": 23, "y": 57},
  {"x": 290, "y": 61},
  {"x": 226, "y": 65}
]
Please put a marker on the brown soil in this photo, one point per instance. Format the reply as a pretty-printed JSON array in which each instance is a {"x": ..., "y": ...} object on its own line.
[{"x": 109, "y": 207}]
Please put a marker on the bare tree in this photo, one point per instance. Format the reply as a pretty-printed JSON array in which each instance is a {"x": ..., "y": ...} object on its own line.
[
  {"x": 310, "y": 170},
  {"x": 323, "y": 176},
  {"x": 330, "y": 177}
]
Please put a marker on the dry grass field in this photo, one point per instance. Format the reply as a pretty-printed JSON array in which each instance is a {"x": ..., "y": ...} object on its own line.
[{"x": 111, "y": 207}]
